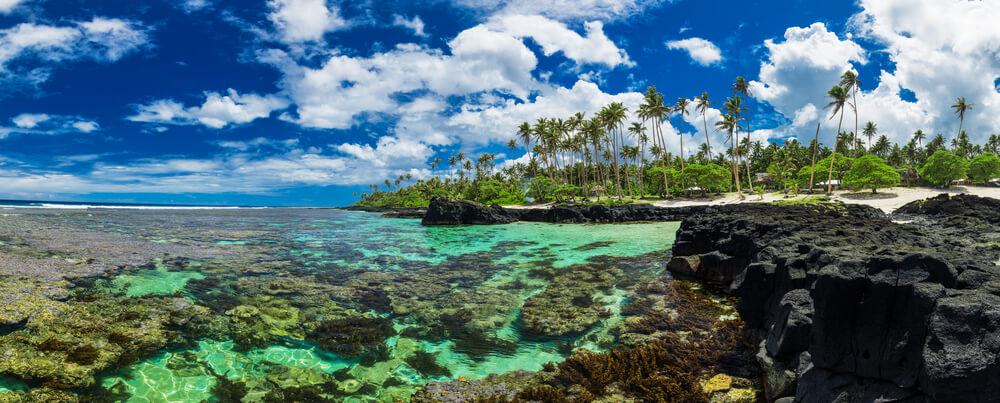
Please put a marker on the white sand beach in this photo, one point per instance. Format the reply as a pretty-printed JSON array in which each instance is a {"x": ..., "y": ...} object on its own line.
[{"x": 887, "y": 200}]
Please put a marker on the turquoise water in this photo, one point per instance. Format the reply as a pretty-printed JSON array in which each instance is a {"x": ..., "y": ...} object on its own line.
[{"x": 367, "y": 308}]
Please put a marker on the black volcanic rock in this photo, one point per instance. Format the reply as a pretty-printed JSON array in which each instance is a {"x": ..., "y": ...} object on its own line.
[
  {"x": 846, "y": 304},
  {"x": 445, "y": 211}
]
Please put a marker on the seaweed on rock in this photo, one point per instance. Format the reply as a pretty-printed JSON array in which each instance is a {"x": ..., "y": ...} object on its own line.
[
  {"x": 427, "y": 364},
  {"x": 354, "y": 336}
]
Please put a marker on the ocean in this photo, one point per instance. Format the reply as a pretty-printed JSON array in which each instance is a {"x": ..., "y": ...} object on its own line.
[{"x": 362, "y": 308}]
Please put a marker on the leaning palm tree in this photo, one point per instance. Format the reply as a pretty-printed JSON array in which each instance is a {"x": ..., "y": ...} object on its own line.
[
  {"x": 729, "y": 123},
  {"x": 870, "y": 130},
  {"x": 850, "y": 82},
  {"x": 703, "y": 105},
  {"x": 960, "y": 107},
  {"x": 839, "y": 99}
]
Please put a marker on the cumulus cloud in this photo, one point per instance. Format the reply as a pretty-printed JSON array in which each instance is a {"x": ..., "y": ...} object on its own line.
[
  {"x": 218, "y": 110},
  {"x": 701, "y": 51},
  {"x": 940, "y": 50},
  {"x": 414, "y": 24},
  {"x": 6, "y": 6},
  {"x": 304, "y": 20},
  {"x": 29, "y": 51},
  {"x": 554, "y": 36}
]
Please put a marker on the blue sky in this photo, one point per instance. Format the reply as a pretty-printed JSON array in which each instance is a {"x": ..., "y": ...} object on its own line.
[{"x": 304, "y": 102}]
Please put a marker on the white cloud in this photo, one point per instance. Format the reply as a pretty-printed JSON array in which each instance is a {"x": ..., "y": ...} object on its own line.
[
  {"x": 46, "y": 124},
  {"x": 6, "y": 6},
  {"x": 701, "y": 51},
  {"x": 414, "y": 24},
  {"x": 190, "y": 6},
  {"x": 565, "y": 10},
  {"x": 942, "y": 50},
  {"x": 29, "y": 120},
  {"x": 28, "y": 51},
  {"x": 554, "y": 36},
  {"x": 304, "y": 20},
  {"x": 336, "y": 93},
  {"x": 218, "y": 111},
  {"x": 85, "y": 126},
  {"x": 939, "y": 50}
]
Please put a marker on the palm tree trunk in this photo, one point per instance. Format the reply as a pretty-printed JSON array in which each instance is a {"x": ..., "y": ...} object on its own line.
[
  {"x": 663, "y": 165},
  {"x": 829, "y": 180},
  {"x": 732, "y": 155},
  {"x": 812, "y": 168},
  {"x": 707, "y": 141},
  {"x": 855, "y": 95},
  {"x": 749, "y": 176}
]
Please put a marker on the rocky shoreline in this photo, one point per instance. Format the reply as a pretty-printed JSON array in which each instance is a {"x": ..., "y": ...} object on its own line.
[
  {"x": 460, "y": 212},
  {"x": 841, "y": 302}
]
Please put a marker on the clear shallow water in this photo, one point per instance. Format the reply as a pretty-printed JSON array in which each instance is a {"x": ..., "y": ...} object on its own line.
[{"x": 299, "y": 304}]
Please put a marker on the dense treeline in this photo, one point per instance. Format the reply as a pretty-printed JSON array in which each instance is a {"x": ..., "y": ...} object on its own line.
[{"x": 603, "y": 158}]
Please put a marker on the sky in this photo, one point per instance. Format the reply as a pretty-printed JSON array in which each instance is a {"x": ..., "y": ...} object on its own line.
[{"x": 306, "y": 102}]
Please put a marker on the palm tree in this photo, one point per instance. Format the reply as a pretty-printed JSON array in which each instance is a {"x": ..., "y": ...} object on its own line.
[
  {"x": 656, "y": 110},
  {"x": 839, "y": 98},
  {"x": 703, "y": 105},
  {"x": 742, "y": 90},
  {"x": 681, "y": 108},
  {"x": 919, "y": 137},
  {"x": 850, "y": 82},
  {"x": 729, "y": 124},
  {"x": 870, "y": 130},
  {"x": 960, "y": 107}
]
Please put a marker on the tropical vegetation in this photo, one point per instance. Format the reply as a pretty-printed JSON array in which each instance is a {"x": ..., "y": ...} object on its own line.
[{"x": 588, "y": 159}]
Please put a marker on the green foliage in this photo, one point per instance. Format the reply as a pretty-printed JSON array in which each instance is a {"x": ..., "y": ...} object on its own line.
[
  {"x": 943, "y": 167},
  {"x": 840, "y": 167},
  {"x": 708, "y": 177},
  {"x": 494, "y": 191},
  {"x": 870, "y": 172},
  {"x": 984, "y": 167}
]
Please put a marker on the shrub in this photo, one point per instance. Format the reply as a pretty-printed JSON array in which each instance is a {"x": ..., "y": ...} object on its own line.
[
  {"x": 707, "y": 177},
  {"x": 984, "y": 167},
  {"x": 943, "y": 167},
  {"x": 870, "y": 172}
]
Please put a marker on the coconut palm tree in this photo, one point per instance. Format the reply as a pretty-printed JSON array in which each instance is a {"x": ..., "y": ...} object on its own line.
[
  {"x": 960, "y": 107},
  {"x": 681, "y": 108},
  {"x": 850, "y": 82},
  {"x": 703, "y": 105},
  {"x": 870, "y": 130},
  {"x": 656, "y": 110},
  {"x": 839, "y": 99},
  {"x": 729, "y": 123},
  {"x": 742, "y": 91},
  {"x": 919, "y": 137}
]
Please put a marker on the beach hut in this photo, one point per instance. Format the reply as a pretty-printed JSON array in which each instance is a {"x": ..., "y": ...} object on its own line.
[{"x": 763, "y": 177}]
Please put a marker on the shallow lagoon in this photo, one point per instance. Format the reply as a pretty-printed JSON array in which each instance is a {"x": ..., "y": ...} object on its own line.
[{"x": 362, "y": 307}]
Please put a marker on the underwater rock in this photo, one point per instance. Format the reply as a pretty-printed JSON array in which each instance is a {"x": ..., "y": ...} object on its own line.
[
  {"x": 353, "y": 336},
  {"x": 904, "y": 311},
  {"x": 567, "y": 306},
  {"x": 67, "y": 346}
]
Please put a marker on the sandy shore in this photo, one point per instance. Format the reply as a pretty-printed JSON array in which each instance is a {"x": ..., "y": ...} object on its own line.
[{"x": 887, "y": 200}]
